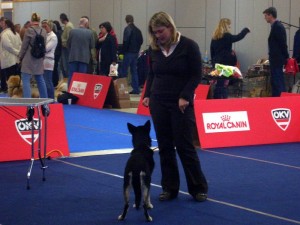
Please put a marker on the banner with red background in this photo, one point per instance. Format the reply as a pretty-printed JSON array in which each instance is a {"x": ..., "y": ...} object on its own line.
[
  {"x": 90, "y": 89},
  {"x": 16, "y": 136},
  {"x": 201, "y": 92},
  {"x": 248, "y": 121}
]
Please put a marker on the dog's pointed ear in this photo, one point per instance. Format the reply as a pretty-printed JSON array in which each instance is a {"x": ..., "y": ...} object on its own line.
[
  {"x": 148, "y": 125},
  {"x": 130, "y": 128}
]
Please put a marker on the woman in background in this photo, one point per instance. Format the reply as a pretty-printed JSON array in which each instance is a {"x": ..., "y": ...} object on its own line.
[
  {"x": 107, "y": 48},
  {"x": 32, "y": 66},
  {"x": 51, "y": 43},
  {"x": 10, "y": 46},
  {"x": 221, "y": 52},
  {"x": 57, "y": 54}
]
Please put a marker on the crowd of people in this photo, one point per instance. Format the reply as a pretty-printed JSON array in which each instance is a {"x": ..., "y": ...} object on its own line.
[
  {"x": 68, "y": 50},
  {"x": 82, "y": 49}
]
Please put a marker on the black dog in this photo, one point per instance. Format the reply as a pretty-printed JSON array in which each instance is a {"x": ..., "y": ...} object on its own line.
[{"x": 138, "y": 169}]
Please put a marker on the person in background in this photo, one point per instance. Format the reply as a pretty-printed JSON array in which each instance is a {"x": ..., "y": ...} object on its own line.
[
  {"x": 296, "y": 47},
  {"x": 80, "y": 43},
  {"x": 24, "y": 28},
  {"x": 2, "y": 23},
  {"x": 93, "y": 61},
  {"x": 221, "y": 52},
  {"x": 57, "y": 54},
  {"x": 51, "y": 43},
  {"x": 31, "y": 66},
  {"x": 18, "y": 28},
  {"x": 64, "y": 39},
  {"x": 175, "y": 72},
  {"x": 278, "y": 51},
  {"x": 107, "y": 49},
  {"x": 132, "y": 41},
  {"x": 3, "y": 84},
  {"x": 10, "y": 46}
]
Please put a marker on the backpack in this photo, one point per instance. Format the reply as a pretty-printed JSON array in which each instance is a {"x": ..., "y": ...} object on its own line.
[
  {"x": 291, "y": 66},
  {"x": 38, "y": 49}
]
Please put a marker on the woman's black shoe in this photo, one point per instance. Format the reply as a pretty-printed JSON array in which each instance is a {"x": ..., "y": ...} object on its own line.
[
  {"x": 166, "y": 196},
  {"x": 200, "y": 197}
]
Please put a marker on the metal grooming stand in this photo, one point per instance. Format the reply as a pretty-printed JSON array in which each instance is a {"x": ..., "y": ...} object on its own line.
[{"x": 32, "y": 103}]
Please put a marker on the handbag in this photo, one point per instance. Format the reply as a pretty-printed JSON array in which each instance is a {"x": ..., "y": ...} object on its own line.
[
  {"x": 113, "y": 70},
  {"x": 63, "y": 98}
]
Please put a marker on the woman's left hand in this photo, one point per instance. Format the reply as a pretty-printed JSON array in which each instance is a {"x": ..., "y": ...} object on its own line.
[{"x": 182, "y": 103}]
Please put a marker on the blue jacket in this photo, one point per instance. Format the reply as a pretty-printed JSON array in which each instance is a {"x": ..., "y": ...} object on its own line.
[
  {"x": 277, "y": 41},
  {"x": 132, "y": 39},
  {"x": 296, "y": 48}
]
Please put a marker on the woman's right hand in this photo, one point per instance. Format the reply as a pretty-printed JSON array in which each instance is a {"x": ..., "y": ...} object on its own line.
[
  {"x": 248, "y": 30},
  {"x": 146, "y": 102}
]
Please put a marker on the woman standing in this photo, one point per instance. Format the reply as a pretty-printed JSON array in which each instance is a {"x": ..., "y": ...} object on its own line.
[
  {"x": 107, "y": 48},
  {"x": 31, "y": 65},
  {"x": 10, "y": 46},
  {"x": 51, "y": 43},
  {"x": 221, "y": 52},
  {"x": 57, "y": 54},
  {"x": 175, "y": 72}
]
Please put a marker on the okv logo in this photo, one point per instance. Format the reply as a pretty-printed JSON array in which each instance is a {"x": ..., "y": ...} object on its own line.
[
  {"x": 23, "y": 127},
  {"x": 97, "y": 90},
  {"x": 282, "y": 117}
]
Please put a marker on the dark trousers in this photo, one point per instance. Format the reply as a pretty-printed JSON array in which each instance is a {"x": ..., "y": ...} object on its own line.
[
  {"x": 6, "y": 73},
  {"x": 174, "y": 132},
  {"x": 56, "y": 70},
  {"x": 221, "y": 90},
  {"x": 277, "y": 80}
]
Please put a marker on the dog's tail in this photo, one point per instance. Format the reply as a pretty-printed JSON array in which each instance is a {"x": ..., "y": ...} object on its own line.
[{"x": 136, "y": 184}]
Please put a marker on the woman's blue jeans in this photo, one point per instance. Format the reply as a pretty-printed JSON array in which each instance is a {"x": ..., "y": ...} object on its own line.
[{"x": 40, "y": 83}]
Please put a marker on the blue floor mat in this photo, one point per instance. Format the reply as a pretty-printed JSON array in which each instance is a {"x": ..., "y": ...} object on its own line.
[{"x": 90, "y": 129}]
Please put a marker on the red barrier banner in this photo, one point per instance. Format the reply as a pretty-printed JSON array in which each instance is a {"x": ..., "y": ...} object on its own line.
[
  {"x": 201, "y": 92},
  {"x": 90, "y": 89},
  {"x": 16, "y": 136},
  {"x": 142, "y": 110},
  {"x": 248, "y": 121}
]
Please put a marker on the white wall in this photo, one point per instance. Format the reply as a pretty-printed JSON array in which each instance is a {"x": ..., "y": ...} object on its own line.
[{"x": 196, "y": 19}]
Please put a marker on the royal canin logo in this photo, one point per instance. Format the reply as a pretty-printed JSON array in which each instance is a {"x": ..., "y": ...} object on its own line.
[
  {"x": 226, "y": 122},
  {"x": 23, "y": 127},
  {"x": 282, "y": 117},
  {"x": 78, "y": 87}
]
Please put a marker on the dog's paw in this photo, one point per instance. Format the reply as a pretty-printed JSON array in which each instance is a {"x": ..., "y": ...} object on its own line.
[
  {"x": 149, "y": 219},
  {"x": 149, "y": 206},
  {"x": 121, "y": 218}
]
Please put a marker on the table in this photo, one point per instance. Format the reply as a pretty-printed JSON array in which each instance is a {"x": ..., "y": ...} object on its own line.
[
  {"x": 261, "y": 74},
  {"x": 41, "y": 104},
  {"x": 236, "y": 83}
]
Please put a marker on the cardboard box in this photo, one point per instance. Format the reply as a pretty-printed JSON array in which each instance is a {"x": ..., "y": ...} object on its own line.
[
  {"x": 124, "y": 103},
  {"x": 121, "y": 88}
]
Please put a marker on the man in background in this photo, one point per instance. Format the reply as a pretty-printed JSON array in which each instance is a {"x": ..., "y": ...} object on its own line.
[
  {"x": 132, "y": 41},
  {"x": 68, "y": 26},
  {"x": 80, "y": 43},
  {"x": 3, "y": 84},
  {"x": 93, "y": 61},
  {"x": 278, "y": 52}
]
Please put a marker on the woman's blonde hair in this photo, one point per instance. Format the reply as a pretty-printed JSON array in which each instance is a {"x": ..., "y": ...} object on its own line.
[
  {"x": 35, "y": 17},
  {"x": 222, "y": 28},
  {"x": 49, "y": 23},
  {"x": 161, "y": 19}
]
